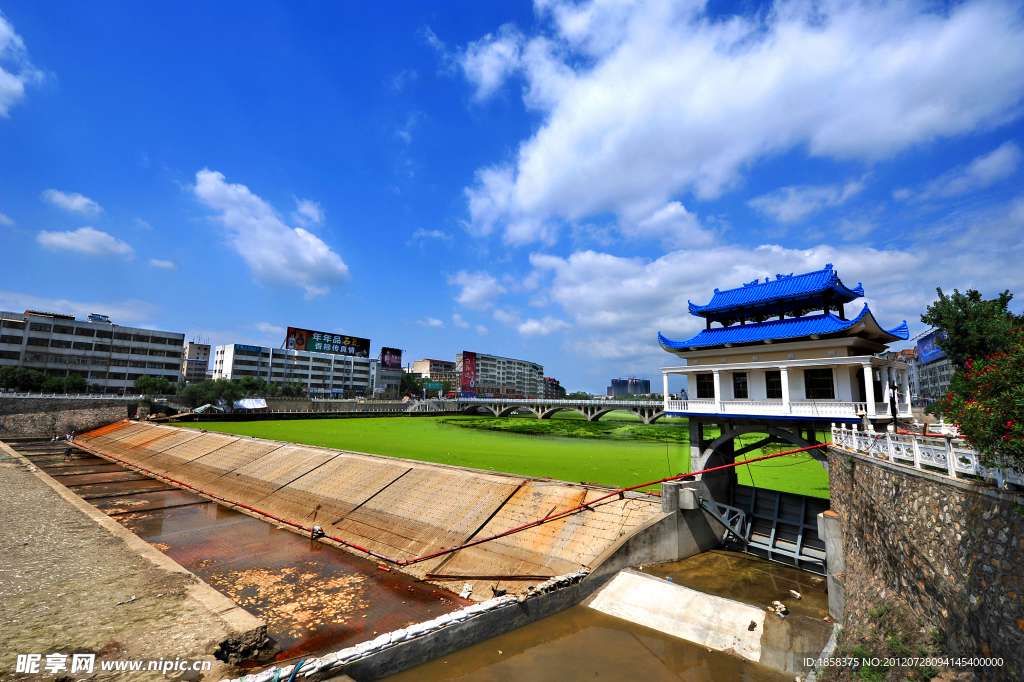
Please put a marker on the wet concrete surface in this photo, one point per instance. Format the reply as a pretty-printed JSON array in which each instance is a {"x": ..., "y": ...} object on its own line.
[
  {"x": 582, "y": 644},
  {"x": 750, "y": 580},
  {"x": 314, "y": 598}
]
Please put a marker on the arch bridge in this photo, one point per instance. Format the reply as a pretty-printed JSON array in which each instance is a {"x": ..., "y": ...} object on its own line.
[{"x": 649, "y": 411}]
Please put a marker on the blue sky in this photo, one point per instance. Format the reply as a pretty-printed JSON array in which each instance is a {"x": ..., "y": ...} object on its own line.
[{"x": 550, "y": 181}]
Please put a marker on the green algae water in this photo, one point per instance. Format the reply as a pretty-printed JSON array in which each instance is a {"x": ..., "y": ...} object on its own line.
[{"x": 610, "y": 460}]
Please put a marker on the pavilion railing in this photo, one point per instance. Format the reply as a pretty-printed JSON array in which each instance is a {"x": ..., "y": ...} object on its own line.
[{"x": 953, "y": 456}]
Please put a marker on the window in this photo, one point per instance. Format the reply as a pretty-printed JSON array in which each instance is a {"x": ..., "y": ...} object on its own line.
[
  {"x": 84, "y": 331},
  {"x": 818, "y": 384},
  {"x": 9, "y": 355},
  {"x": 140, "y": 339},
  {"x": 122, "y": 337},
  {"x": 706, "y": 386},
  {"x": 79, "y": 345},
  {"x": 773, "y": 382},
  {"x": 104, "y": 335},
  {"x": 57, "y": 329},
  {"x": 10, "y": 339},
  {"x": 60, "y": 344},
  {"x": 39, "y": 327},
  {"x": 739, "y": 385},
  {"x": 102, "y": 347},
  {"x": 13, "y": 324}
]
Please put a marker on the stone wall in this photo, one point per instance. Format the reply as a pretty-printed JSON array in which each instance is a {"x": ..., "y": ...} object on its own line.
[
  {"x": 23, "y": 417},
  {"x": 951, "y": 549}
]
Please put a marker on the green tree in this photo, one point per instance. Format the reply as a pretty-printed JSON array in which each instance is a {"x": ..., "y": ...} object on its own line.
[
  {"x": 253, "y": 386},
  {"x": 986, "y": 402},
  {"x": 21, "y": 378},
  {"x": 53, "y": 385},
  {"x": 211, "y": 391},
  {"x": 974, "y": 327},
  {"x": 579, "y": 395},
  {"x": 411, "y": 384},
  {"x": 74, "y": 383},
  {"x": 985, "y": 343},
  {"x": 150, "y": 385}
]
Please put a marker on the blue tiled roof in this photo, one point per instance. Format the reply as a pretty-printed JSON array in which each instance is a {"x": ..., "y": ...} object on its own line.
[
  {"x": 789, "y": 328},
  {"x": 782, "y": 287}
]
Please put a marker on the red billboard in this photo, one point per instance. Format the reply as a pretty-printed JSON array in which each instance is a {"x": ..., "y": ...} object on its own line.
[
  {"x": 391, "y": 358},
  {"x": 468, "y": 378}
]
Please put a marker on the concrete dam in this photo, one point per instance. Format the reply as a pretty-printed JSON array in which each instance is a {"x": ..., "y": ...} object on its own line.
[{"x": 516, "y": 549}]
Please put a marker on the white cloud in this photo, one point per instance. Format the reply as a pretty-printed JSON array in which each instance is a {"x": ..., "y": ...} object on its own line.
[
  {"x": 399, "y": 81},
  {"x": 420, "y": 236},
  {"x": 143, "y": 224},
  {"x": 276, "y": 254},
  {"x": 459, "y": 322},
  {"x": 488, "y": 62},
  {"x": 72, "y": 201},
  {"x": 308, "y": 212},
  {"x": 479, "y": 289},
  {"x": 163, "y": 264},
  {"x": 127, "y": 311},
  {"x": 982, "y": 172},
  {"x": 793, "y": 204},
  {"x": 480, "y": 329},
  {"x": 532, "y": 327},
  {"x": 5, "y": 219},
  {"x": 16, "y": 71},
  {"x": 270, "y": 329},
  {"x": 673, "y": 225},
  {"x": 643, "y": 102},
  {"x": 85, "y": 240},
  {"x": 430, "y": 322}
]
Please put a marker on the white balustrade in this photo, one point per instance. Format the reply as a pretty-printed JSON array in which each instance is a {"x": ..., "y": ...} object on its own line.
[{"x": 953, "y": 455}]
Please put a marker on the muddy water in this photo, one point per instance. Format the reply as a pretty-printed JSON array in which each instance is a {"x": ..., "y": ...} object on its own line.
[
  {"x": 314, "y": 598},
  {"x": 750, "y": 580},
  {"x": 582, "y": 644}
]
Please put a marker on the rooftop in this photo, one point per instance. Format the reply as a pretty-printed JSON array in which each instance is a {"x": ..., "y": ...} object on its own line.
[
  {"x": 790, "y": 328},
  {"x": 756, "y": 294}
]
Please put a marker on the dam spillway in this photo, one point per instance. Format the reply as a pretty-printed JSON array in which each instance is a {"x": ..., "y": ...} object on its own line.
[{"x": 393, "y": 507}]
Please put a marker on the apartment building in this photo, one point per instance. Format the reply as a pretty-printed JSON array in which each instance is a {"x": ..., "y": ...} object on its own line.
[
  {"x": 326, "y": 374},
  {"x": 493, "y": 376},
  {"x": 110, "y": 357},
  {"x": 436, "y": 370},
  {"x": 195, "y": 362}
]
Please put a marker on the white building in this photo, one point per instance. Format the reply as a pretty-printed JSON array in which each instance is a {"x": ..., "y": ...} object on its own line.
[
  {"x": 771, "y": 359},
  {"x": 326, "y": 374},
  {"x": 495, "y": 376},
  {"x": 109, "y": 356}
]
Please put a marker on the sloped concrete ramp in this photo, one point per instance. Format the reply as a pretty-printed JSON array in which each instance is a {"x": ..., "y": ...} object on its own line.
[
  {"x": 398, "y": 508},
  {"x": 715, "y": 622}
]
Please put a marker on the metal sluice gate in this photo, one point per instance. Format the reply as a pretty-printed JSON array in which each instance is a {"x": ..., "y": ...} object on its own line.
[{"x": 773, "y": 525}]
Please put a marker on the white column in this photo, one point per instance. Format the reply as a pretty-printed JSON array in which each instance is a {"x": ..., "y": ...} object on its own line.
[
  {"x": 905, "y": 382},
  {"x": 718, "y": 390},
  {"x": 869, "y": 390},
  {"x": 784, "y": 373},
  {"x": 664, "y": 395},
  {"x": 886, "y": 383}
]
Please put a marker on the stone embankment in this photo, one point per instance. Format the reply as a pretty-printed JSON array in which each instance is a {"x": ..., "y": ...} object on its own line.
[
  {"x": 46, "y": 417},
  {"x": 952, "y": 549}
]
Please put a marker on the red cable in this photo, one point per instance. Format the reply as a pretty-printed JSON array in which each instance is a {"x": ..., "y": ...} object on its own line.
[{"x": 414, "y": 560}]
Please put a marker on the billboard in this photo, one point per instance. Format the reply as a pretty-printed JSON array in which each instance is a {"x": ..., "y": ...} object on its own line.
[
  {"x": 391, "y": 358},
  {"x": 322, "y": 342},
  {"x": 468, "y": 377},
  {"x": 928, "y": 348}
]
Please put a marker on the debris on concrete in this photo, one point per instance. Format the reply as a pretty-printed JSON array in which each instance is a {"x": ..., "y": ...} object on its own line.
[{"x": 795, "y": 594}]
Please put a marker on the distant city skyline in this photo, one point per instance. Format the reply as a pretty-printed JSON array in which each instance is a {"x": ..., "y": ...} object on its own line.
[{"x": 551, "y": 182}]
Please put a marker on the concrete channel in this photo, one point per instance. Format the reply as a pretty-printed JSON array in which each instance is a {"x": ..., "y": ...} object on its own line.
[{"x": 237, "y": 512}]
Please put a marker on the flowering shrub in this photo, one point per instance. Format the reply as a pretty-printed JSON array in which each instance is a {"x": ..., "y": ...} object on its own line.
[{"x": 986, "y": 402}]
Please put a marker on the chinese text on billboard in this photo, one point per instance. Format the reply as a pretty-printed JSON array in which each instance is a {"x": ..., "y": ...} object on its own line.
[
  {"x": 468, "y": 378},
  {"x": 323, "y": 342}
]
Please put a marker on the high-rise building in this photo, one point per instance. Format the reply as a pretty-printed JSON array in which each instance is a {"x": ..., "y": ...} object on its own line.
[
  {"x": 195, "y": 362},
  {"x": 631, "y": 386},
  {"x": 553, "y": 389},
  {"x": 436, "y": 370},
  {"x": 493, "y": 376},
  {"x": 110, "y": 357}
]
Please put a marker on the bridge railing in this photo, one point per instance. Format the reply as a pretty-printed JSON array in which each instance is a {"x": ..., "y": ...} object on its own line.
[
  {"x": 613, "y": 404},
  {"x": 953, "y": 455}
]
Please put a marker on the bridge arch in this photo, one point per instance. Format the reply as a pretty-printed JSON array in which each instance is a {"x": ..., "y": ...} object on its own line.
[{"x": 775, "y": 435}]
